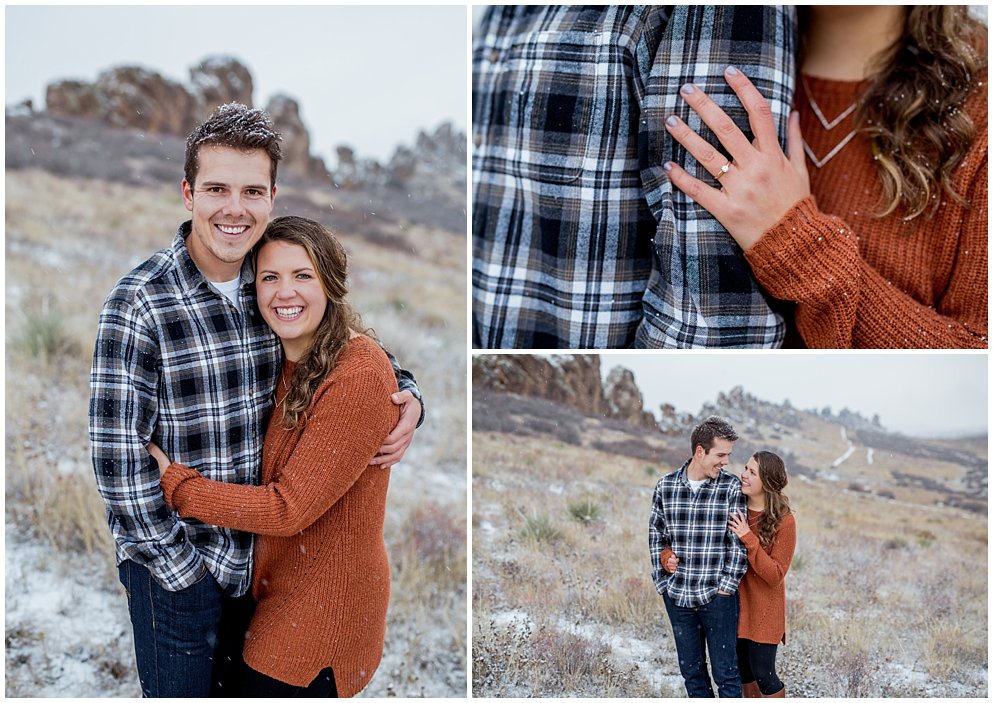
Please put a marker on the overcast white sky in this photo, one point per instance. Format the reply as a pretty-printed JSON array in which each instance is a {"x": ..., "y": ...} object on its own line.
[
  {"x": 914, "y": 393},
  {"x": 369, "y": 77}
]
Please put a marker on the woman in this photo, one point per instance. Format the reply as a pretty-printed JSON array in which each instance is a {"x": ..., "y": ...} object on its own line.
[
  {"x": 885, "y": 243},
  {"x": 320, "y": 578},
  {"x": 769, "y": 535}
]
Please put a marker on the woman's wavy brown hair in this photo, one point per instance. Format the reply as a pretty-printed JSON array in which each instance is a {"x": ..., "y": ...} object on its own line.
[
  {"x": 331, "y": 264},
  {"x": 772, "y": 473},
  {"x": 912, "y": 111}
]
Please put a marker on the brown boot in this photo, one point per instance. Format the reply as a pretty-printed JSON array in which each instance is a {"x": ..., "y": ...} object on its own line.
[
  {"x": 781, "y": 693},
  {"x": 750, "y": 690}
]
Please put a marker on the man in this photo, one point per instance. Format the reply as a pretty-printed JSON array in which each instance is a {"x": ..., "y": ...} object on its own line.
[
  {"x": 697, "y": 561},
  {"x": 579, "y": 239},
  {"x": 184, "y": 358}
]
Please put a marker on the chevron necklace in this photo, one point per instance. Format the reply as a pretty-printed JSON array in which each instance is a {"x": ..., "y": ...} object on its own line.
[{"x": 828, "y": 126}]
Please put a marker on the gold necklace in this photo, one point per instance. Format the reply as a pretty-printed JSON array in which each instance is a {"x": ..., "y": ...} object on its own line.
[
  {"x": 286, "y": 387},
  {"x": 828, "y": 126}
]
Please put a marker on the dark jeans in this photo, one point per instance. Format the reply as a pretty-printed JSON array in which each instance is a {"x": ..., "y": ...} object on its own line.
[
  {"x": 712, "y": 627},
  {"x": 757, "y": 662},
  {"x": 257, "y": 685},
  {"x": 176, "y": 635}
]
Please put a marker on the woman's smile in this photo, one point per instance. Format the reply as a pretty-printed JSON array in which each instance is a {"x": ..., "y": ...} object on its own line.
[{"x": 291, "y": 297}]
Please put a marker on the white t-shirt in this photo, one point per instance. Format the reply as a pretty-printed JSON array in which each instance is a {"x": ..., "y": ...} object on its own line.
[
  {"x": 230, "y": 290},
  {"x": 695, "y": 485}
]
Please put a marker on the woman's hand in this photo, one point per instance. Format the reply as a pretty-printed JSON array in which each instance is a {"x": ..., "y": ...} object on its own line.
[
  {"x": 762, "y": 183},
  {"x": 738, "y": 524},
  {"x": 160, "y": 457},
  {"x": 671, "y": 564}
]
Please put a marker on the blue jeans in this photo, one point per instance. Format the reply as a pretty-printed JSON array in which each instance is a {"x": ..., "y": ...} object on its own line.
[
  {"x": 711, "y": 627},
  {"x": 176, "y": 638}
]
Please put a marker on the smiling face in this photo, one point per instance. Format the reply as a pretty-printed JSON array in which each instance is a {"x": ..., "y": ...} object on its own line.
[
  {"x": 751, "y": 482},
  {"x": 290, "y": 295},
  {"x": 230, "y": 201},
  {"x": 708, "y": 464}
]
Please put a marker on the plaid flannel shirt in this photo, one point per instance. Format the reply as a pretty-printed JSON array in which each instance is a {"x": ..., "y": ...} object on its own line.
[
  {"x": 695, "y": 527},
  {"x": 177, "y": 363},
  {"x": 579, "y": 239}
]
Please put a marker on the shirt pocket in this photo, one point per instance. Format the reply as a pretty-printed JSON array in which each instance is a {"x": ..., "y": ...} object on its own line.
[{"x": 552, "y": 97}]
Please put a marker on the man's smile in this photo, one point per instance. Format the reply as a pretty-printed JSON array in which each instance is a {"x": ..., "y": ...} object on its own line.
[{"x": 232, "y": 229}]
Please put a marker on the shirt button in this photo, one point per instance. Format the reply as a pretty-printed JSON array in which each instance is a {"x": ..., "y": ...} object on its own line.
[
  {"x": 477, "y": 140},
  {"x": 494, "y": 56}
]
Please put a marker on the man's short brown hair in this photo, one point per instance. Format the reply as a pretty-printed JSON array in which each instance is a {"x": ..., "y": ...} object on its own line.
[
  {"x": 239, "y": 127},
  {"x": 712, "y": 428}
]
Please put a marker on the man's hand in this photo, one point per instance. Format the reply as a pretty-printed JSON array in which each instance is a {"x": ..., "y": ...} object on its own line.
[
  {"x": 397, "y": 441},
  {"x": 671, "y": 564}
]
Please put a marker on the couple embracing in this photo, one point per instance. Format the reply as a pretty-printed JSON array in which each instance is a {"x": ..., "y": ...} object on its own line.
[
  {"x": 720, "y": 549},
  {"x": 242, "y": 425}
]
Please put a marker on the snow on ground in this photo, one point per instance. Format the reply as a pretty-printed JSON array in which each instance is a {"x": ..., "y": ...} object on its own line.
[{"x": 67, "y": 627}]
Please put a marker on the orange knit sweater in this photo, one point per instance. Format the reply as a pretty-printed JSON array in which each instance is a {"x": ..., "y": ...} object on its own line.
[
  {"x": 321, "y": 577},
  {"x": 762, "y": 592},
  {"x": 862, "y": 281}
]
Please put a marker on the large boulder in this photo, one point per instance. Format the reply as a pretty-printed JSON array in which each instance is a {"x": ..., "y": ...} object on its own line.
[{"x": 297, "y": 161}]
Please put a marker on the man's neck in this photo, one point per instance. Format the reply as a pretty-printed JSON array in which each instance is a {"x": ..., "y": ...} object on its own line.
[
  {"x": 695, "y": 472},
  {"x": 842, "y": 42}
]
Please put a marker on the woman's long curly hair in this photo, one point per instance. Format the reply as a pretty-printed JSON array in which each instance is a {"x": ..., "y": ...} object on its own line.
[
  {"x": 331, "y": 264},
  {"x": 772, "y": 474},
  {"x": 912, "y": 111}
]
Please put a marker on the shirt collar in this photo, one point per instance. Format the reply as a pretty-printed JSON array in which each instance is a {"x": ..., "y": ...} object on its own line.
[
  {"x": 686, "y": 479},
  {"x": 190, "y": 274}
]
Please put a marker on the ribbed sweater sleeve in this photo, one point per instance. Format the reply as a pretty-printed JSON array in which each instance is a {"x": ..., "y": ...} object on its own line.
[
  {"x": 350, "y": 416},
  {"x": 842, "y": 302},
  {"x": 772, "y": 567}
]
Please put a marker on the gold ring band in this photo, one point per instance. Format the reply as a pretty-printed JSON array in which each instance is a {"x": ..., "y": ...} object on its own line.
[{"x": 724, "y": 169}]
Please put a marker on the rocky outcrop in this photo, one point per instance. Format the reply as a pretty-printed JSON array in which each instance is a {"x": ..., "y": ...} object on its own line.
[
  {"x": 128, "y": 97},
  {"x": 672, "y": 421},
  {"x": 134, "y": 98},
  {"x": 219, "y": 80},
  {"x": 571, "y": 379},
  {"x": 624, "y": 400},
  {"x": 437, "y": 161},
  {"x": 297, "y": 161}
]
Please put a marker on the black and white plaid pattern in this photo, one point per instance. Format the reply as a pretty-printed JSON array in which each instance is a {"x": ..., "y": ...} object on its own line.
[
  {"x": 176, "y": 363},
  {"x": 695, "y": 528},
  {"x": 579, "y": 239}
]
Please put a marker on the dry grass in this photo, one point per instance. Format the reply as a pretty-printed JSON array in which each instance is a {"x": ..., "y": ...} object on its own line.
[{"x": 885, "y": 598}]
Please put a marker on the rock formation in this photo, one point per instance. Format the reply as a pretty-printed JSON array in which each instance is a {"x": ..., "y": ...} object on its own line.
[
  {"x": 624, "y": 400},
  {"x": 436, "y": 161},
  {"x": 285, "y": 112},
  {"x": 131, "y": 97},
  {"x": 572, "y": 379},
  {"x": 219, "y": 80}
]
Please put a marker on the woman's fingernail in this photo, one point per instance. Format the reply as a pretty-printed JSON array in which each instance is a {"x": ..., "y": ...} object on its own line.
[
  {"x": 731, "y": 71},
  {"x": 672, "y": 121},
  {"x": 667, "y": 166},
  {"x": 687, "y": 89}
]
